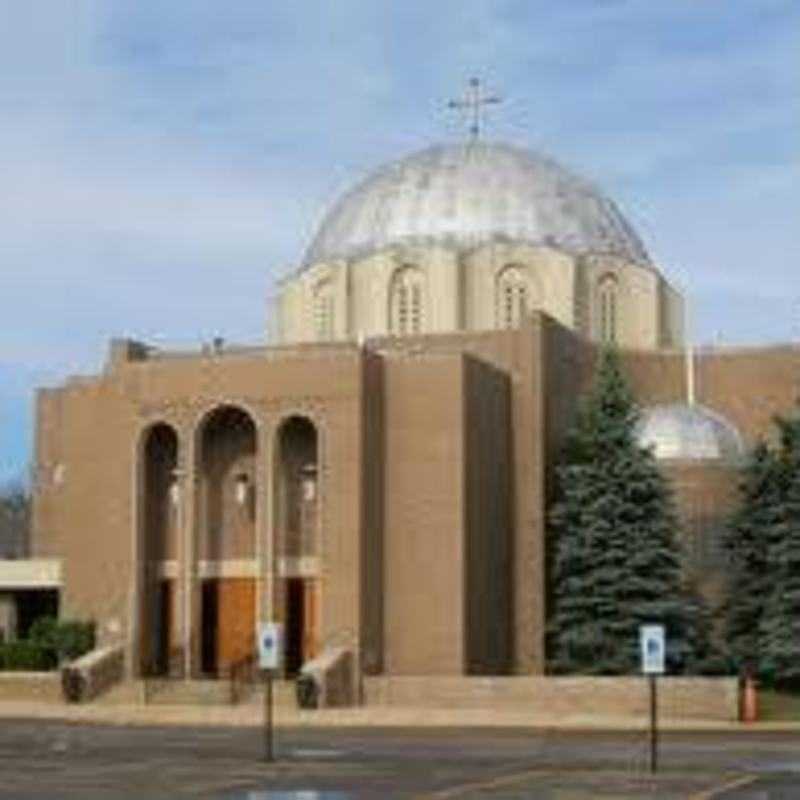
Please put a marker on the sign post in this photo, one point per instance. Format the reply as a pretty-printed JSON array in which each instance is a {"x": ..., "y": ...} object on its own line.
[
  {"x": 653, "y": 647},
  {"x": 269, "y": 641}
]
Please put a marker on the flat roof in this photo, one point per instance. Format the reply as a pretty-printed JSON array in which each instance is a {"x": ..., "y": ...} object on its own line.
[{"x": 35, "y": 573}]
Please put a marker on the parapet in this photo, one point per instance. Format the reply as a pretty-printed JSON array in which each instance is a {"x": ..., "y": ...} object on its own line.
[{"x": 123, "y": 351}]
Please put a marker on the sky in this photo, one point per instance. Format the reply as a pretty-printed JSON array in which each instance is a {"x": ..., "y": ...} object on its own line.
[{"x": 163, "y": 163}]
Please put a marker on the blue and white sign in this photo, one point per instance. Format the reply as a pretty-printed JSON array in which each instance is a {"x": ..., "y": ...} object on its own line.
[
  {"x": 653, "y": 645},
  {"x": 269, "y": 639}
]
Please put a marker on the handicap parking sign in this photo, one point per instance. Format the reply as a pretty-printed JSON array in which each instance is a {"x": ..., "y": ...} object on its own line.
[
  {"x": 270, "y": 645},
  {"x": 653, "y": 649}
]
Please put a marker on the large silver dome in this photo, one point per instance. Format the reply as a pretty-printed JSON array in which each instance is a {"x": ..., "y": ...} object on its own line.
[
  {"x": 688, "y": 433},
  {"x": 468, "y": 194}
]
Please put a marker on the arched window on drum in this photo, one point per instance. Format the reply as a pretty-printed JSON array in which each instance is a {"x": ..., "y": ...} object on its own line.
[
  {"x": 323, "y": 311},
  {"x": 407, "y": 302},
  {"x": 607, "y": 308},
  {"x": 512, "y": 297}
]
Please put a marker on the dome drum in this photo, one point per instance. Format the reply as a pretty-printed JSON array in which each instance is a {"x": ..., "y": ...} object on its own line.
[{"x": 462, "y": 216}]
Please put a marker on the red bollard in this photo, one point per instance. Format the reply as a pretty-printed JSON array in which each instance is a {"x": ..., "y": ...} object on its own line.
[{"x": 749, "y": 700}]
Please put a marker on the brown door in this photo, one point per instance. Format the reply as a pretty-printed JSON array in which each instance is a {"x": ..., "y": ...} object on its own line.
[
  {"x": 209, "y": 614},
  {"x": 164, "y": 633},
  {"x": 311, "y": 619},
  {"x": 302, "y": 623},
  {"x": 237, "y": 622},
  {"x": 156, "y": 628},
  {"x": 295, "y": 626}
]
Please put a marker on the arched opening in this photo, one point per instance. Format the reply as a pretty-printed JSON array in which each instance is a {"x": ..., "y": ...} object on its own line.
[
  {"x": 297, "y": 538},
  {"x": 512, "y": 297},
  {"x": 160, "y": 540},
  {"x": 323, "y": 312},
  {"x": 407, "y": 302},
  {"x": 227, "y": 500},
  {"x": 607, "y": 308}
]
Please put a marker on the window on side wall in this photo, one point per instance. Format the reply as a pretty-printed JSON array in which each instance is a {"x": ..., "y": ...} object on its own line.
[
  {"x": 512, "y": 297},
  {"x": 323, "y": 312},
  {"x": 607, "y": 300},
  {"x": 407, "y": 302}
]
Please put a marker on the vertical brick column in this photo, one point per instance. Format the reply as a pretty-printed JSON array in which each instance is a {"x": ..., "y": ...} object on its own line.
[
  {"x": 189, "y": 589},
  {"x": 265, "y": 524}
]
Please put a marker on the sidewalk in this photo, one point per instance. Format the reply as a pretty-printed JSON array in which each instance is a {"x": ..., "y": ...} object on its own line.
[{"x": 251, "y": 714}]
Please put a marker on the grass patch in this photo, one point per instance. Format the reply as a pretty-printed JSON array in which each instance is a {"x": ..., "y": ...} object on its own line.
[{"x": 774, "y": 705}]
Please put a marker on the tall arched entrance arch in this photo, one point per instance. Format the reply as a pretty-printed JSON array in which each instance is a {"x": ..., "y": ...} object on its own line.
[
  {"x": 298, "y": 539},
  {"x": 159, "y": 550},
  {"x": 225, "y": 540}
]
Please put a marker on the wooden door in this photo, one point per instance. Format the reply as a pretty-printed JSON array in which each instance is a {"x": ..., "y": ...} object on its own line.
[
  {"x": 237, "y": 622},
  {"x": 163, "y": 637},
  {"x": 311, "y": 619},
  {"x": 294, "y": 629}
]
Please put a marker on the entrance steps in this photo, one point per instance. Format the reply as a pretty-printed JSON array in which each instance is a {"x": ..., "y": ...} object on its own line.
[
  {"x": 174, "y": 691},
  {"x": 127, "y": 692}
]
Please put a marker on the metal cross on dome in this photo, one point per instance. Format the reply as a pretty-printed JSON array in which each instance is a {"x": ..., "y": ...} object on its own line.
[{"x": 473, "y": 102}]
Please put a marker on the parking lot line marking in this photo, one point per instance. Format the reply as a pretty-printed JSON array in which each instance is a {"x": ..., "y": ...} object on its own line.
[
  {"x": 502, "y": 780},
  {"x": 716, "y": 791}
]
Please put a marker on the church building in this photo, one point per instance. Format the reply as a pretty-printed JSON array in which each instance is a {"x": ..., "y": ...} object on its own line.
[{"x": 375, "y": 477}]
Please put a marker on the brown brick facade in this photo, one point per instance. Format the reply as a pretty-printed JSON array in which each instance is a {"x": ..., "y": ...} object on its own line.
[{"x": 422, "y": 488}]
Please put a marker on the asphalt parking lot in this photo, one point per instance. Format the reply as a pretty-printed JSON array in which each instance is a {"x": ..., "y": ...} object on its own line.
[{"x": 46, "y": 759}]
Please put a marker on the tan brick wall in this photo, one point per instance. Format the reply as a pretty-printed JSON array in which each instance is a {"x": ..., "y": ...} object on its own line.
[
  {"x": 424, "y": 614},
  {"x": 372, "y": 542},
  {"x": 40, "y": 687},
  {"x": 561, "y": 697},
  {"x": 396, "y": 458},
  {"x": 749, "y": 386},
  {"x": 91, "y": 429},
  {"x": 487, "y": 492},
  {"x": 519, "y": 355}
]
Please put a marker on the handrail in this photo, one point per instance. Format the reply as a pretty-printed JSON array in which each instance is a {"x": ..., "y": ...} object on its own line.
[
  {"x": 341, "y": 637},
  {"x": 157, "y": 671},
  {"x": 241, "y": 673}
]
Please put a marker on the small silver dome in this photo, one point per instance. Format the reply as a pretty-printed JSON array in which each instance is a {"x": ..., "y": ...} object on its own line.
[
  {"x": 688, "y": 433},
  {"x": 468, "y": 194}
]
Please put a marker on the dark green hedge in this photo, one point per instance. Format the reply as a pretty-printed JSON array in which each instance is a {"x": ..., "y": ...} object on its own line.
[
  {"x": 69, "y": 639},
  {"x": 26, "y": 656},
  {"x": 50, "y": 641}
]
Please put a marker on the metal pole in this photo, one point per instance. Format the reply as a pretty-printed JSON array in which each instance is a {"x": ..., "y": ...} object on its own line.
[
  {"x": 653, "y": 726},
  {"x": 269, "y": 754}
]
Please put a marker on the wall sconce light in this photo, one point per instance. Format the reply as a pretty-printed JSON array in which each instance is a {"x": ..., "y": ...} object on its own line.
[
  {"x": 175, "y": 492},
  {"x": 242, "y": 488},
  {"x": 308, "y": 474},
  {"x": 175, "y": 487}
]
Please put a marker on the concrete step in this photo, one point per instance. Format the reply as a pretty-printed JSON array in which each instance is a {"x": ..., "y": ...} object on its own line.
[
  {"x": 283, "y": 694},
  {"x": 127, "y": 692},
  {"x": 174, "y": 691}
]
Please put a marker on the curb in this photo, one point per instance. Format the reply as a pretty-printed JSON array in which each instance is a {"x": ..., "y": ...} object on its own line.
[{"x": 369, "y": 717}]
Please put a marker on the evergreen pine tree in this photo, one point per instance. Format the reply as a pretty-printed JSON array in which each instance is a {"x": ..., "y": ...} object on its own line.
[
  {"x": 779, "y": 627},
  {"x": 614, "y": 562},
  {"x": 746, "y": 543}
]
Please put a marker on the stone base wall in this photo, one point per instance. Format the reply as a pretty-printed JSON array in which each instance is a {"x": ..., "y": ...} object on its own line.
[
  {"x": 678, "y": 698},
  {"x": 43, "y": 687}
]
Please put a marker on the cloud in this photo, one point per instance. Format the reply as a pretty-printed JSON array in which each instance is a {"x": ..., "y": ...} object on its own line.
[{"x": 163, "y": 161}]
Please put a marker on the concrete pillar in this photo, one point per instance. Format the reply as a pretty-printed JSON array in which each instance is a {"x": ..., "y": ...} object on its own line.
[
  {"x": 8, "y": 617},
  {"x": 264, "y": 551},
  {"x": 187, "y": 588}
]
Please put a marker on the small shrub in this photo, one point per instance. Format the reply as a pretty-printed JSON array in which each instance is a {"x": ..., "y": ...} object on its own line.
[
  {"x": 68, "y": 639},
  {"x": 26, "y": 656}
]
